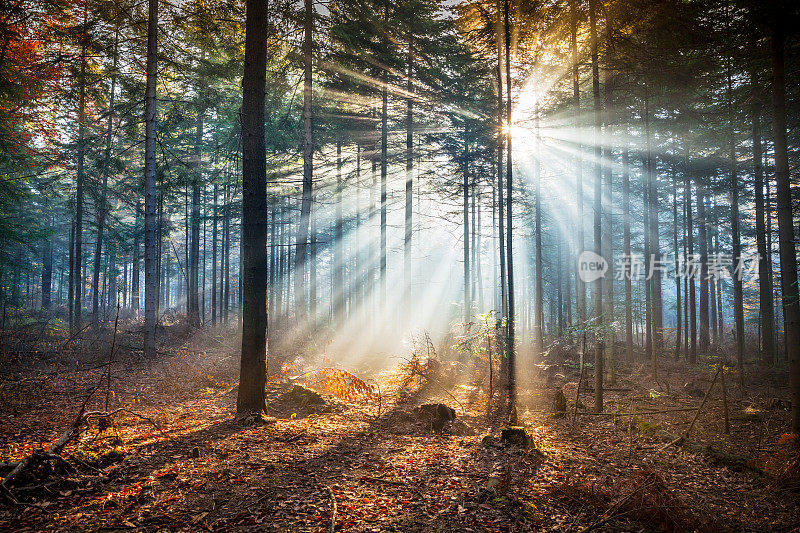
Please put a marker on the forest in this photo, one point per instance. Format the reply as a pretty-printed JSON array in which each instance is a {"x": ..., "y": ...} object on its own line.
[{"x": 407, "y": 265}]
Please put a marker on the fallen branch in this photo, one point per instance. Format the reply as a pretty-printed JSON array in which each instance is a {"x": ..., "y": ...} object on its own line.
[
  {"x": 332, "y": 528},
  {"x": 685, "y": 434},
  {"x": 717, "y": 456},
  {"x": 385, "y": 481},
  {"x": 54, "y": 452},
  {"x": 608, "y": 389},
  {"x": 577, "y": 395},
  {"x": 634, "y": 413},
  {"x": 103, "y": 414},
  {"x": 8, "y": 465},
  {"x": 55, "y": 449},
  {"x": 292, "y": 438},
  {"x": 611, "y": 511}
]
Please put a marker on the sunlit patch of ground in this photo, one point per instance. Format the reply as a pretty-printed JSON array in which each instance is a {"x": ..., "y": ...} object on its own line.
[{"x": 211, "y": 472}]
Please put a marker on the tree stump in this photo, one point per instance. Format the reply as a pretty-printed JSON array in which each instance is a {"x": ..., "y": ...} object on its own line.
[
  {"x": 516, "y": 436},
  {"x": 559, "y": 404}
]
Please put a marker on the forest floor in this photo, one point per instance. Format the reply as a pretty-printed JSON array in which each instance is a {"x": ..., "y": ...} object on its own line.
[{"x": 200, "y": 469}]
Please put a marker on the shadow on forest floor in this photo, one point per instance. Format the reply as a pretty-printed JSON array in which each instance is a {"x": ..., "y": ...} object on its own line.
[{"x": 214, "y": 473}]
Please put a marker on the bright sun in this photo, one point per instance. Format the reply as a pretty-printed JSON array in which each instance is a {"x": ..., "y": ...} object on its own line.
[{"x": 514, "y": 130}]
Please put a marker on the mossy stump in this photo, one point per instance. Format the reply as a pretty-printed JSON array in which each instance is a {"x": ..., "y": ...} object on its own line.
[{"x": 516, "y": 436}]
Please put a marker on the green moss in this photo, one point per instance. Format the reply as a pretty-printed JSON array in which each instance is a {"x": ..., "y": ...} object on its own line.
[
  {"x": 747, "y": 417},
  {"x": 87, "y": 456},
  {"x": 97, "y": 456},
  {"x": 643, "y": 426},
  {"x": 114, "y": 455}
]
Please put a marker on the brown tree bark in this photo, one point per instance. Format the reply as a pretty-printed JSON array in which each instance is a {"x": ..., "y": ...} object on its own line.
[
  {"x": 193, "y": 262},
  {"x": 151, "y": 235},
  {"x": 626, "y": 238},
  {"x": 703, "y": 238},
  {"x": 79, "y": 186},
  {"x": 765, "y": 303},
  {"x": 510, "y": 353},
  {"x": 102, "y": 209},
  {"x": 791, "y": 297},
  {"x": 598, "y": 207},
  {"x": 308, "y": 163},
  {"x": 252, "y": 376}
]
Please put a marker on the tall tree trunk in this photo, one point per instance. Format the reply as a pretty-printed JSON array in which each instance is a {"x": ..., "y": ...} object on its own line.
[
  {"x": 124, "y": 302},
  {"x": 648, "y": 286},
  {"x": 608, "y": 244},
  {"x": 560, "y": 249},
  {"x": 384, "y": 167},
  {"x": 135, "y": 265},
  {"x": 608, "y": 251},
  {"x": 777, "y": 305},
  {"x": 679, "y": 323},
  {"x": 626, "y": 243},
  {"x": 538, "y": 322},
  {"x": 151, "y": 240},
  {"x": 702, "y": 237},
  {"x": 655, "y": 247},
  {"x": 193, "y": 263},
  {"x": 598, "y": 207},
  {"x": 47, "y": 272},
  {"x": 465, "y": 190},
  {"x": 203, "y": 266},
  {"x": 71, "y": 278},
  {"x": 685, "y": 246},
  {"x": 102, "y": 209},
  {"x": 279, "y": 278},
  {"x": 738, "y": 297},
  {"x": 712, "y": 282},
  {"x": 214, "y": 258},
  {"x": 511, "y": 355},
  {"x": 252, "y": 376},
  {"x": 308, "y": 163},
  {"x": 271, "y": 279},
  {"x": 312, "y": 270},
  {"x": 501, "y": 223},
  {"x": 409, "y": 174},
  {"x": 791, "y": 297},
  {"x": 112, "y": 277},
  {"x": 720, "y": 314},
  {"x": 226, "y": 273},
  {"x": 687, "y": 185},
  {"x": 16, "y": 287},
  {"x": 78, "y": 300},
  {"x": 358, "y": 257},
  {"x": 765, "y": 303},
  {"x": 580, "y": 291},
  {"x": 337, "y": 283}
]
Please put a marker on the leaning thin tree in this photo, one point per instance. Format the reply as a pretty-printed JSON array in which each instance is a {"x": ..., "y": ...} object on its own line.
[{"x": 252, "y": 376}]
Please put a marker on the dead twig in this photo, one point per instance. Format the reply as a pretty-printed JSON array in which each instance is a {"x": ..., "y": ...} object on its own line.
[
  {"x": 292, "y": 438},
  {"x": 104, "y": 414},
  {"x": 332, "y": 528},
  {"x": 578, "y": 389},
  {"x": 384, "y": 481},
  {"x": 611, "y": 512},
  {"x": 55, "y": 449},
  {"x": 696, "y": 414},
  {"x": 111, "y": 358}
]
